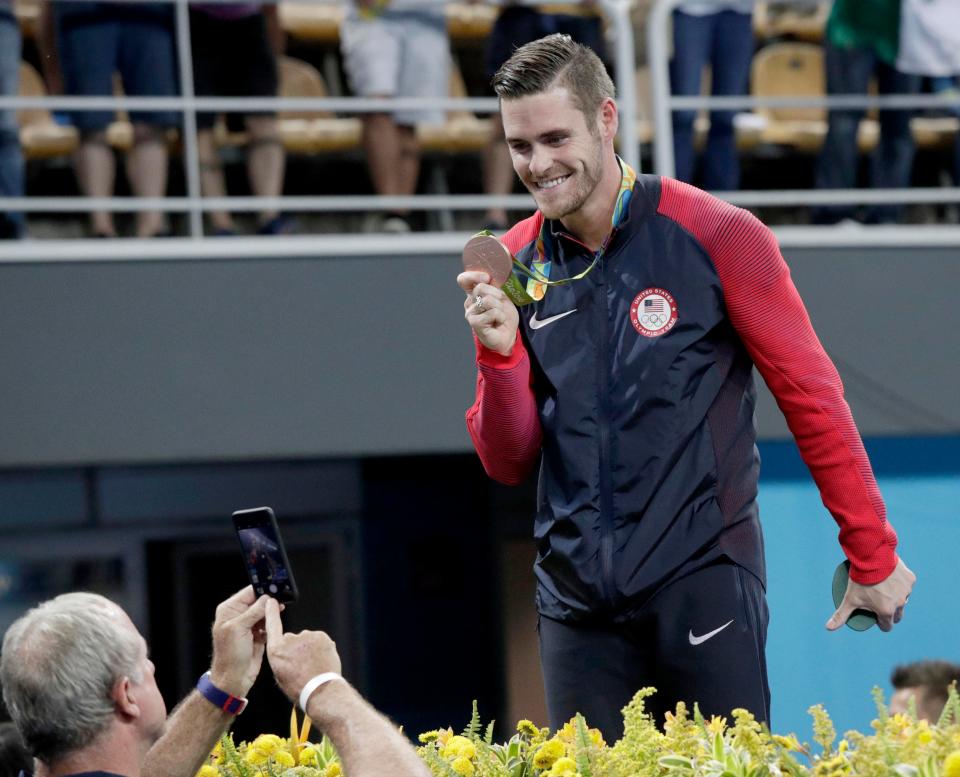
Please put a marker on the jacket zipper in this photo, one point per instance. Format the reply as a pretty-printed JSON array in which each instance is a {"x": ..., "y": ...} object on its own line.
[{"x": 606, "y": 492}]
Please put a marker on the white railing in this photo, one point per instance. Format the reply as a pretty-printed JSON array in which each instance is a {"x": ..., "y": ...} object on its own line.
[{"x": 194, "y": 204}]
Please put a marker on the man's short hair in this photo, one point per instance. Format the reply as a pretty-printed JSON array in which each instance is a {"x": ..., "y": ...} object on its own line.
[
  {"x": 932, "y": 675},
  {"x": 58, "y": 665},
  {"x": 555, "y": 61}
]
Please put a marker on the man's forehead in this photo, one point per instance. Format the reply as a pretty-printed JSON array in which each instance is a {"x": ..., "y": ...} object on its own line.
[{"x": 541, "y": 113}]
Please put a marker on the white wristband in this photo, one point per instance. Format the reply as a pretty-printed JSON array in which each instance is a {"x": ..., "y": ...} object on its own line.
[{"x": 312, "y": 686}]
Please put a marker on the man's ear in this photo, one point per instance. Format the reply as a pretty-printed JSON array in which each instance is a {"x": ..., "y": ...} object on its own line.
[
  {"x": 124, "y": 698},
  {"x": 609, "y": 119}
]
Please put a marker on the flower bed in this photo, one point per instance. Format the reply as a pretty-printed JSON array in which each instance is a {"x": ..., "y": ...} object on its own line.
[{"x": 687, "y": 746}]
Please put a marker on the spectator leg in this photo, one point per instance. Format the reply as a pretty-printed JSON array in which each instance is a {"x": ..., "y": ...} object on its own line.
[
  {"x": 265, "y": 161},
  {"x": 892, "y": 162},
  {"x": 732, "y": 52},
  {"x": 498, "y": 175},
  {"x": 147, "y": 173},
  {"x": 96, "y": 168},
  {"x": 11, "y": 157},
  {"x": 691, "y": 46},
  {"x": 409, "y": 159},
  {"x": 848, "y": 72},
  {"x": 212, "y": 182},
  {"x": 381, "y": 142}
]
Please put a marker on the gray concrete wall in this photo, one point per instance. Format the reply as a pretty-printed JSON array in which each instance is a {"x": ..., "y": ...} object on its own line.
[{"x": 342, "y": 355}]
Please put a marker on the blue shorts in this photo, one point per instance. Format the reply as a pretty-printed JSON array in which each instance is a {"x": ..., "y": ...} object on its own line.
[{"x": 141, "y": 51}]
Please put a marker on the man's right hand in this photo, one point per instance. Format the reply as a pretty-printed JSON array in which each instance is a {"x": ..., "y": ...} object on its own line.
[
  {"x": 238, "y": 642},
  {"x": 296, "y": 658},
  {"x": 490, "y": 313}
]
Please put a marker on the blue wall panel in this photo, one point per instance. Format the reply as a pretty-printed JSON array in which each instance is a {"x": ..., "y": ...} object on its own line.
[{"x": 920, "y": 481}]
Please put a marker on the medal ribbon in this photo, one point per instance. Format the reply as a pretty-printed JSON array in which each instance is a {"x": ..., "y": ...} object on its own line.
[{"x": 538, "y": 274}]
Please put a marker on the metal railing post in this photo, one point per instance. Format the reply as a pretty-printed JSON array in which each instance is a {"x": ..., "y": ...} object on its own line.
[
  {"x": 191, "y": 155},
  {"x": 619, "y": 12},
  {"x": 658, "y": 47}
]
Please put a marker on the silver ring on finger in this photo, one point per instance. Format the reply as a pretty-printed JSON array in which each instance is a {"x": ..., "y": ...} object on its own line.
[{"x": 478, "y": 304}]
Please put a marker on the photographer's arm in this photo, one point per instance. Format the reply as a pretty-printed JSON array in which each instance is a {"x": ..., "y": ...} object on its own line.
[{"x": 369, "y": 745}]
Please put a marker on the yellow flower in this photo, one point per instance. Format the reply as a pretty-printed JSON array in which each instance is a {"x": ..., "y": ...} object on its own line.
[
  {"x": 284, "y": 759},
  {"x": 332, "y": 770},
  {"x": 309, "y": 756},
  {"x": 528, "y": 728},
  {"x": 789, "y": 742},
  {"x": 429, "y": 736},
  {"x": 261, "y": 748},
  {"x": 208, "y": 771},
  {"x": 548, "y": 753},
  {"x": 461, "y": 765},
  {"x": 951, "y": 766},
  {"x": 716, "y": 724},
  {"x": 217, "y": 753},
  {"x": 459, "y": 746},
  {"x": 564, "y": 767}
]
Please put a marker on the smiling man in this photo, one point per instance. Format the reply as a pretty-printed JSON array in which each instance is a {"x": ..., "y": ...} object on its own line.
[{"x": 629, "y": 379}]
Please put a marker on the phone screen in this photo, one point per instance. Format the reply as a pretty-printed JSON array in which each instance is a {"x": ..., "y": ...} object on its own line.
[{"x": 264, "y": 556}]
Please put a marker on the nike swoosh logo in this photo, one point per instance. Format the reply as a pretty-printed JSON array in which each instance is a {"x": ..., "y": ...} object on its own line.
[
  {"x": 703, "y": 638},
  {"x": 536, "y": 324}
]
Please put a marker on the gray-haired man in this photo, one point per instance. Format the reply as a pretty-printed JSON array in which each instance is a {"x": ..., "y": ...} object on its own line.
[{"x": 79, "y": 684}]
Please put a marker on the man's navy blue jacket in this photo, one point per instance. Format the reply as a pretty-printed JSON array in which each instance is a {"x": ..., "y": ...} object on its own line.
[{"x": 633, "y": 388}]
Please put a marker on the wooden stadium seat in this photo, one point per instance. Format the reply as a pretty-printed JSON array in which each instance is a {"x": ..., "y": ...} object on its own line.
[
  {"x": 40, "y": 136},
  {"x": 312, "y": 132},
  {"x": 777, "y": 20},
  {"x": 461, "y": 132},
  {"x": 797, "y": 70},
  {"x": 470, "y": 21},
  {"x": 303, "y": 132},
  {"x": 318, "y": 22},
  {"x": 28, "y": 15},
  {"x": 935, "y": 132}
]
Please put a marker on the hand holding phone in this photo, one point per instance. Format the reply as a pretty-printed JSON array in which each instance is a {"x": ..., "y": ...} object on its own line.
[{"x": 264, "y": 555}]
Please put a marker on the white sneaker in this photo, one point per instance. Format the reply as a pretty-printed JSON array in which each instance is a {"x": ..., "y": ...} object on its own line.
[{"x": 395, "y": 225}]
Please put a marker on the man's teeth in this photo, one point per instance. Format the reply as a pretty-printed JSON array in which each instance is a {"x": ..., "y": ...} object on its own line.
[{"x": 552, "y": 182}]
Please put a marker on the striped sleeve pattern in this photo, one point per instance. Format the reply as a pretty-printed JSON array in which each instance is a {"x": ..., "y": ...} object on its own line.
[
  {"x": 503, "y": 421},
  {"x": 770, "y": 318}
]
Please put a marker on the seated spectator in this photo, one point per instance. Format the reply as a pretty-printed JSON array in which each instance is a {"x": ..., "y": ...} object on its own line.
[
  {"x": 926, "y": 682},
  {"x": 88, "y": 42},
  {"x": 396, "y": 48},
  {"x": 861, "y": 42},
  {"x": 79, "y": 684},
  {"x": 235, "y": 50},
  {"x": 516, "y": 25},
  {"x": 11, "y": 158},
  {"x": 718, "y": 33},
  {"x": 14, "y": 758}
]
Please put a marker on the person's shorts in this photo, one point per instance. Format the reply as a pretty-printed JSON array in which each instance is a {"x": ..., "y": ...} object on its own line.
[
  {"x": 399, "y": 55},
  {"x": 141, "y": 51},
  {"x": 520, "y": 24},
  {"x": 231, "y": 58}
]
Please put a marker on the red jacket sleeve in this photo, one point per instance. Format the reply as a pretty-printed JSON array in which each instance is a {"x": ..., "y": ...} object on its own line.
[
  {"x": 770, "y": 317},
  {"x": 503, "y": 421}
]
